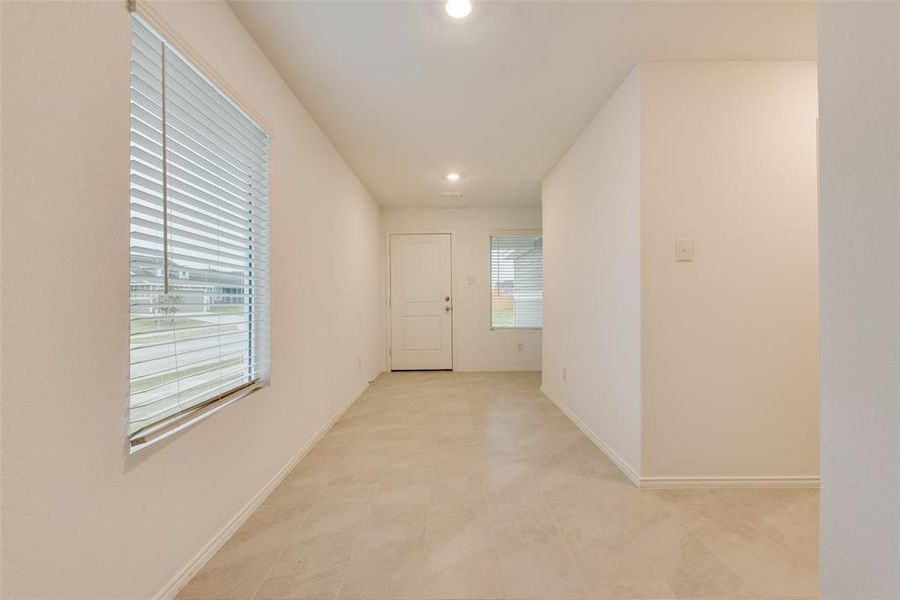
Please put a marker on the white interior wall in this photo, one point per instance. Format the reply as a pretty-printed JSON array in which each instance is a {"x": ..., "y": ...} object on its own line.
[
  {"x": 1, "y": 302},
  {"x": 592, "y": 289},
  {"x": 475, "y": 346},
  {"x": 81, "y": 519},
  {"x": 859, "y": 154},
  {"x": 690, "y": 370},
  {"x": 730, "y": 361}
]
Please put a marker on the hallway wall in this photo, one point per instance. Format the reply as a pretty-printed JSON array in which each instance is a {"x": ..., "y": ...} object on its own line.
[
  {"x": 592, "y": 286},
  {"x": 81, "y": 518},
  {"x": 859, "y": 153},
  {"x": 715, "y": 359},
  {"x": 475, "y": 346},
  {"x": 730, "y": 360}
]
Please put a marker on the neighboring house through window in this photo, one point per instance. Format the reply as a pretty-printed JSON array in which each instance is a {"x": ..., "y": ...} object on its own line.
[{"x": 517, "y": 281}]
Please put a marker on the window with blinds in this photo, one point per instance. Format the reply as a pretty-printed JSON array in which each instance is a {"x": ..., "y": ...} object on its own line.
[
  {"x": 517, "y": 281},
  {"x": 199, "y": 243}
]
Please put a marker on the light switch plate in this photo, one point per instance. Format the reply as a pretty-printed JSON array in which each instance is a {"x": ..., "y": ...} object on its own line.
[
  {"x": 684, "y": 250},
  {"x": 470, "y": 280}
]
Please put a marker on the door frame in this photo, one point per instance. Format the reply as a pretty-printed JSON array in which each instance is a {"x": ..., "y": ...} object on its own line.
[{"x": 387, "y": 289}]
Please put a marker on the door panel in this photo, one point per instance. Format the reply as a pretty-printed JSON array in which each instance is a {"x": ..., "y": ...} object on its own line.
[
  {"x": 421, "y": 333},
  {"x": 421, "y": 315},
  {"x": 421, "y": 280}
]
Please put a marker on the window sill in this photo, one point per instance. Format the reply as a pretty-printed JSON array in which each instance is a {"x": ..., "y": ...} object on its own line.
[{"x": 150, "y": 434}]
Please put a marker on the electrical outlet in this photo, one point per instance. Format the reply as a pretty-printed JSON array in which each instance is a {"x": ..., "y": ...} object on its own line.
[
  {"x": 565, "y": 374},
  {"x": 359, "y": 363}
]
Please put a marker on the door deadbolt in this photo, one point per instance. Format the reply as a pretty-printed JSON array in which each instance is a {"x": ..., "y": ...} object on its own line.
[{"x": 447, "y": 299}]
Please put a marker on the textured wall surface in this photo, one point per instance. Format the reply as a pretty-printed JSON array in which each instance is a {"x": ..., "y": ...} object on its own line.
[
  {"x": 81, "y": 519},
  {"x": 859, "y": 154}
]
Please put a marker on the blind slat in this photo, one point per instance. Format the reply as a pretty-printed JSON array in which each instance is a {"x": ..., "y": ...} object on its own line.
[{"x": 148, "y": 202}]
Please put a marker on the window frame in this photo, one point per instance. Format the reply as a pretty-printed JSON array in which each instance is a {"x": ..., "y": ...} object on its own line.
[
  {"x": 185, "y": 418},
  {"x": 511, "y": 233}
]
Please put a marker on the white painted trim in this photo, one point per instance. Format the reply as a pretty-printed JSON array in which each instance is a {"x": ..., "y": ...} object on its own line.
[
  {"x": 719, "y": 481},
  {"x": 626, "y": 469},
  {"x": 516, "y": 368},
  {"x": 499, "y": 232},
  {"x": 723, "y": 482},
  {"x": 171, "y": 589}
]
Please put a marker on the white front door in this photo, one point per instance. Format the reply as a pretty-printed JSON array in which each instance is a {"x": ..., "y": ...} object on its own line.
[{"x": 421, "y": 302}]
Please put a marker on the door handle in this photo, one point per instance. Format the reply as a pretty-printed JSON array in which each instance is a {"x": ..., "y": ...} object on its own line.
[{"x": 446, "y": 309}]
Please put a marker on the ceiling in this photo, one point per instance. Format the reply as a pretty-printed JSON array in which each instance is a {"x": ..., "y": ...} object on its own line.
[{"x": 406, "y": 94}]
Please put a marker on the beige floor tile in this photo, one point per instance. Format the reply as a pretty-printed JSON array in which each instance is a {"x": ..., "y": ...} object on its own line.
[
  {"x": 298, "y": 493},
  {"x": 689, "y": 567},
  {"x": 457, "y": 482},
  {"x": 461, "y": 556},
  {"x": 313, "y": 564},
  {"x": 389, "y": 560},
  {"x": 615, "y": 488},
  {"x": 240, "y": 565},
  {"x": 789, "y": 516},
  {"x": 590, "y": 461},
  {"x": 512, "y": 481},
  {"x": 406, "y": 486},
  {"x": 694, "y": 507},
  {"x": 534, "y": 560},
  {"x": 765, "y": 536},
  {"x": 769, "y": 567},
  {"x": 609, "y": 561},
  {"x": 323, "y": 467},
  {"x": 353, "y": 487},
  {"x": 463, "y": 486},
  {"x": 562, "y": 484}
]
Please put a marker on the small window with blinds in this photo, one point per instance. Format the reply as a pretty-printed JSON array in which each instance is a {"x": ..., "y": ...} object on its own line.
[
  {"x": 199, "y": 244},
  {"x": 517, "y": 281}
]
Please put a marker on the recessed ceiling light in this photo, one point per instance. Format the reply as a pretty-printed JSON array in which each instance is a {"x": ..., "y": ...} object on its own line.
[
  {"x": 458, "y": 9},
  {"x": 452, "y": 176}
]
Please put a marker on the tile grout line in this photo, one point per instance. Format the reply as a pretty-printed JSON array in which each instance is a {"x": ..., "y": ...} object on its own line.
[
  {"x": 627, "y": 533},
  {"x": 425, "y": 525},
  {"x": 265, "y": 577},
  {"x": 490, "y": 515},
  {"x": 640, "y": 551},
  {"x": 752, "y": 588},
  {"x": 549, "y": 509},
  {"x": 302, "y": 522},
  {"x": 493, "y": 536},
  {"x": 362, "y": 532},
  {"x": 581, "y": 579},
  {"x": 316, "y": 503},
  {"x": 738, "y": 519}
]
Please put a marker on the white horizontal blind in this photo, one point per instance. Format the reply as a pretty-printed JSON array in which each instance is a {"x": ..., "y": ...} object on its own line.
[
  {"x": 517, "y": 281},
  {"x": 199, "y": 238}
]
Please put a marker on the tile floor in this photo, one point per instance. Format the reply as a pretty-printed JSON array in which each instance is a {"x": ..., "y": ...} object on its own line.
[{"x": 473, "y": 485}]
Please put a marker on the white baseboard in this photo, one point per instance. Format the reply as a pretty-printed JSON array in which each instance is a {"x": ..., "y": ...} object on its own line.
[
  {"x": 626, "y": 469},
  {"x": 517, "y": 368},
  {"x": 171, "y": 589},
  {"x": 721, "y": 482},
  {"x": 778, "y": 481}
]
